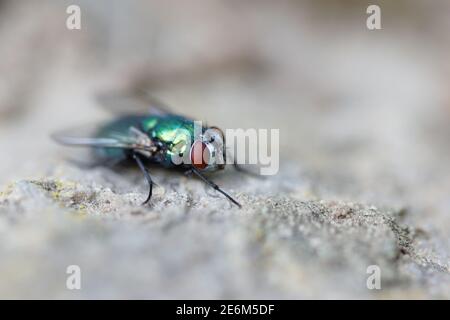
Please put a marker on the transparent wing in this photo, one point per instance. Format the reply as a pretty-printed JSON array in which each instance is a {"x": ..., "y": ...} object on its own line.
[
  {"x": 132, "y": 103},
  {"x": 89, "y": 136}
]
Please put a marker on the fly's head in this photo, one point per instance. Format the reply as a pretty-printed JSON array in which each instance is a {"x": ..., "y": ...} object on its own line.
[{"x": 208, "y": 151}]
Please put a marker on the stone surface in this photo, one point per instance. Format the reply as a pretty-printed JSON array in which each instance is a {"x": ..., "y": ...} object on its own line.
[
  {"x": 189, "y": 244},
  {"x": 364, "y": 124}
]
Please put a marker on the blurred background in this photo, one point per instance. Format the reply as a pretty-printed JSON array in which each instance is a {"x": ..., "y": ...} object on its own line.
[{"x": 364, "y": 115}]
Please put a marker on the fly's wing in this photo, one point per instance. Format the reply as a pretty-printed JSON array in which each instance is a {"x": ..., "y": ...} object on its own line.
[
  {"x": 89, "y": 136},
  {"x": 127, "y": 103}
]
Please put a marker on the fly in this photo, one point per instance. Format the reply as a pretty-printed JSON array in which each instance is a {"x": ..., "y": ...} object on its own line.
[{"x": 154, "y": 136}]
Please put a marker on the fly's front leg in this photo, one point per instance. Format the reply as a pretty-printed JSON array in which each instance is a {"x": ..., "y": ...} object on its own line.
[
  {"x": 237, "y": 167},
  {"x": 147, "y": 176},
  {"x": 213, "y": 185}
]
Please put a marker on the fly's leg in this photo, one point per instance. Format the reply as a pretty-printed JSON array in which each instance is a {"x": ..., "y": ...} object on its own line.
[
  {"x": 146, "y": 175},
  {"x": 237, "y": 167},
  {"x": 214, "y": 186},
  {"x": 241, "y": 169}
]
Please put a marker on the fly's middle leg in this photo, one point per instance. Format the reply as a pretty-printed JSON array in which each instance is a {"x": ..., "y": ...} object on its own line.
[{"x": 146, "y": 174}]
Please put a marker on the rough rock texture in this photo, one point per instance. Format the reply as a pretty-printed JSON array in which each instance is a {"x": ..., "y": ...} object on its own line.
[
  {"x": 192, "y": 245},
  {"x": 364, "y": 122}
]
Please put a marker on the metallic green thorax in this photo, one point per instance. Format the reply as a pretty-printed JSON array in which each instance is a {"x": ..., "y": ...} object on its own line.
[{"x": 175, "y": 133}]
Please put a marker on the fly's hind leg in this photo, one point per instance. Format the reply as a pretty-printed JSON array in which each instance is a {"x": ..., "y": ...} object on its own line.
[{"x": 146, "y": 175}]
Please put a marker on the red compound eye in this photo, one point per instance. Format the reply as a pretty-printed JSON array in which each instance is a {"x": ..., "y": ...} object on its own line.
[{"x": 199, "y": 155}]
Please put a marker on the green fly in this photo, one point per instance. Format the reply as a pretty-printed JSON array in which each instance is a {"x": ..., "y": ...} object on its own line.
[{"x": 155, "y": 136}]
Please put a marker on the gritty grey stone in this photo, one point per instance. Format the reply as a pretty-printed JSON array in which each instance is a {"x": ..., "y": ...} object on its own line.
[
  {"x": 275, "y": 247},
  {"x": 364, "y": 123}
]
